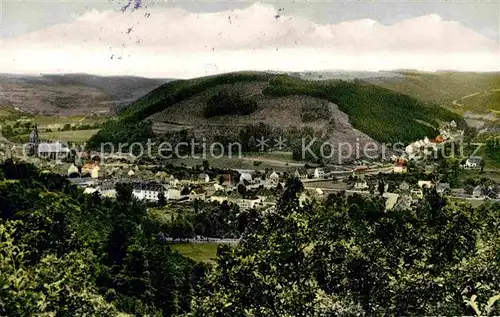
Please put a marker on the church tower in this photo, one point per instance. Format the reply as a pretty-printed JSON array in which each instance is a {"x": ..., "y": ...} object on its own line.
[{"x": 33, "y": 141}]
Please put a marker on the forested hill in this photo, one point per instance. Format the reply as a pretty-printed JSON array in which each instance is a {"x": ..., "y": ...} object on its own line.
[{"x": 382, "y": 114}]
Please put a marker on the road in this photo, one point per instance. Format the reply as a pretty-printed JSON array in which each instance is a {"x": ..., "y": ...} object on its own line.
[{"x": 456, "y": 103}]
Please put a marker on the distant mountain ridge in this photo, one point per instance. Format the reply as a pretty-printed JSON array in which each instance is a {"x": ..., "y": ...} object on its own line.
[{"x": 72, "y": 94}]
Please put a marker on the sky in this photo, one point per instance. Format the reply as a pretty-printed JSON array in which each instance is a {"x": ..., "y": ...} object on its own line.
[{"x": 196, "y": 38}]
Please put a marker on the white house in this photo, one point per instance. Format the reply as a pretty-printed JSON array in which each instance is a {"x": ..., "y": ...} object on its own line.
[
  {"x": 53, "y": 150},
  {"x": 427, "y": 184},
  {"x": 149, "y": 191},
  {"x": 245, "y": 204},
  {"x": 473, "y": 162},
  {"x": 246, "y": 177},
  {"x": 197, "y": 194},
  {"x": 361, "y": 185},
  {"x": 203, "y": 178},
  {"x": 89, "y": 190},
  {"x": 399, "y": 169},
  {"x": 173, "y": 194},
  {"x": 274, "y": 178},
  {"x": 219, "y": 199},
  {"x": 478, "y": 192},
  {"x": 319, "y": 173}
]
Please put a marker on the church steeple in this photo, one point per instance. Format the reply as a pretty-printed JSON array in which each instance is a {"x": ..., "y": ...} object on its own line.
[{"x": 34, "y": 139}]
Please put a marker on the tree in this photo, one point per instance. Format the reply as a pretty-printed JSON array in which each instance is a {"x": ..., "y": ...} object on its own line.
[
  {"x": 221, "y": 179},
  {"x": 54, "y": 286},
  {"x": 185, "y": 191},
  {"x": 352, "y": 257},
  {"x": 242, "y": 190},
  {"x": 206, "y": 166},
  {"x": 162, "y": 200},
  {"x": 381, "y": 188}
]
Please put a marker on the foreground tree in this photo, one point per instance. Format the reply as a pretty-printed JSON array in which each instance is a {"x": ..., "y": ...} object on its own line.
[
  {"x": 54, "y": 286},
  {"x": 349, "y": 256}
]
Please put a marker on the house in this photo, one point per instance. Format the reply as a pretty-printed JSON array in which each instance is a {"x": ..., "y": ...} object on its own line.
[
  {"x": 246, "y": 204},
  {"x": 319, "y": 173},
  {"x": 53, "y": 150},
  {"x": 107, "y": 189},
  {"x": 272, "y": 179},
  {"x": 300, "y": 173},
  {"x": 149, "y": 191},
  {"x": 425, "y": 184},
  {"x": 399, "y": 169},
  {"x": 90, "y": 190},
  {"x": 223, "y": 179},
  {"x": 173, "y": 182},
  {"x": 478, "y": 192},
  {"x": 130, "y": 173},
  {"x": 92, "y": 169},
  {"x": 473, "y": 162},
  {"x": 246, "y": 177},
  {"x": 82, "y": 182},
  {"x": 361, "y": 185},
  {"x": 203, "y": 178},
  {"x": 173, "y": 193},
  {"x": 443, "y": 187},
  {"x": 73, "y": 170},
  {"x": 220, "y": 199},
  {"x": 417, "y": 192},
  {"x": 197, "y": 194}
]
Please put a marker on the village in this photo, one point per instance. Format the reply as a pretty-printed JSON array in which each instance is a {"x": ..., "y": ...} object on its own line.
[{"x": 402, "y": 179}]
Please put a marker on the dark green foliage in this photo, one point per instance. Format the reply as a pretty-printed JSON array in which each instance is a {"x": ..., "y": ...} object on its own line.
[
  {"x": 130, "y": 264},
  {"x": 493, "y": 148},
  {"x": 383, "y": 114},
  {"x": 225, "y": 103},
  {"x": 351, "y": 257}
]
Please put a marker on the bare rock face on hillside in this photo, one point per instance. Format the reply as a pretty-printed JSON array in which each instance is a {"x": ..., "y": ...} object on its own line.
[{"x": 278, "y": 112}]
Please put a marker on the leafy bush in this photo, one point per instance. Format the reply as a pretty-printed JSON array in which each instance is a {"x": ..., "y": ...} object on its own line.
[{"x": 225, "y": 103}]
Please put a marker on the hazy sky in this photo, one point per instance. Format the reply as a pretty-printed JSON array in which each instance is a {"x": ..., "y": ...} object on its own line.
[{"x": 194, "y": 38}]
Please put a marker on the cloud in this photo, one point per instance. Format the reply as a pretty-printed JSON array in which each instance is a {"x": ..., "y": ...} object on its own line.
[{"x": 177, "y": 43}]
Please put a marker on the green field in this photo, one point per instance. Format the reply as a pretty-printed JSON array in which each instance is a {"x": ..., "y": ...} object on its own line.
[
  {"x": 201, "y": 252},
  {"x": 458, "y": 91},
  {"x": 274, "y": 161},
  {"x": 78, "y": 136}
]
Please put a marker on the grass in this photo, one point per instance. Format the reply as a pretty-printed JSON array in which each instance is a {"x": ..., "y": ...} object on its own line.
[
  {"x": 276, "y": 162},
  {"x": 472, "y": 202},
  {"x": 65, "y": 136},
  {"x": 162, "y": 215},
  {"x": 201, "y": 252},
  {"x": 445, "y": 87}
]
